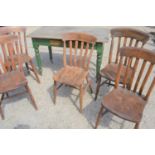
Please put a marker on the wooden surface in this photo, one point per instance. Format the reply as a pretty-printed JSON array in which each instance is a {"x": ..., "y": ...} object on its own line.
[
  {"x": 75, "y": 73},
  {"x": 21, "y": 48},
  {"x": 120, "y": 37},
  {"x": 11, "y": 76},
  {"x": 129, "y": 102},
  {"x": 56, "y": 32}
]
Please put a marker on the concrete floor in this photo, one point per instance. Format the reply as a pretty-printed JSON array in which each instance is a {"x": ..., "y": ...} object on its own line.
[{"x": 19, "y": 113}]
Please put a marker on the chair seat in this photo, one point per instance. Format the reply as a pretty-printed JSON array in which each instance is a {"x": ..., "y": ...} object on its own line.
[
  {"x": 71, "y": 75},
  {"x": 11, "y": 80},
  {"x": 110, "y": 72},
  {"x": 124, "y": 104}
]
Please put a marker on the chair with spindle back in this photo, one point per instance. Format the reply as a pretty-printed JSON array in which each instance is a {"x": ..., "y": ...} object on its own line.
[
  {"x": 121, "y": 37},
  {"x": 75, "y": 72},
  {"x": 22, "y": 46},
  {"x": 129, "y": 102},
  {"x": 11, "y": 76}
]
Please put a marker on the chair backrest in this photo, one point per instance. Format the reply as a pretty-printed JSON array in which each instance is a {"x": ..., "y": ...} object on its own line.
[
  {"x": 18, "y": 31},
  {"x": 81, "y": 47},
  {"x": 8, "y": 46},
  {"x": 142, "y": 78},
  {"x": 125, "y": 37}
]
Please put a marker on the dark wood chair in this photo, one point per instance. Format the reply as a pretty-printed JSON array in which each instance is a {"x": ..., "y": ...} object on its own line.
[
  {"x": 75, "y": 72},
  {"x": 129, "y": 102},
  {"x": 11, "y": 76},
  {"x": 121, "y": 37},
  {"x": 23, "y": 50}
]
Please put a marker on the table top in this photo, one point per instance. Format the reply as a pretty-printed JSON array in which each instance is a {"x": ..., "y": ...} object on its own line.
[{"x": 55, "y": 32}]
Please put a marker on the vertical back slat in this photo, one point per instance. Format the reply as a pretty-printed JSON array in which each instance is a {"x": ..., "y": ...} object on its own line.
[
  {"x": 111, "y": 50},
  {"x": 70, "y": 56},
  {"x": 131, "y": 42},
  {"x": 20, "y": 42},
  {"x": 118, "y": 73},
  {"x": 12, "y": 60},
  {"x": 4, "y": 52},
  {"x": 75, "y": 53},
  {"x": 125, "y": 41},
  {"x": 136, "y": 43},
  {"x": 125, "y": 80},
  {"x": 2, "y": 65},
  {"x": 80, "y": 55},
  {"x": 64, "y": 54},
  {"x": 85, "y": 55},
  {"x": 145, "y": 78},
  {"x": 90, "y": 55},
  {"x": 133, "y": 73},
  {"x": 140, "y": 75},
  {"x": 118, "y": 47},
  {"x": 25, "y": 42}
]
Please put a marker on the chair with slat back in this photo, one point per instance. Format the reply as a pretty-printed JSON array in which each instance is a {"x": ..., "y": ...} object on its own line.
[
  {"x": 22, "y": 47},
  {"x": 129, "y": 102},
  {"x": 11, "y": 75},
  {"x": 75, "y": 70},
  {"x": 120, "y": 37}
]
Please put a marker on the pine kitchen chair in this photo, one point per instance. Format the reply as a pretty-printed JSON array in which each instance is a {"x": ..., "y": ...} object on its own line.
[
  {"x": 129, "y": 102},
  {"x": 121, "y": 37},
  {"x": 11, "y": 76},
  {"x": 75, "y": 72},
  {"x": 23, "y": 50}
]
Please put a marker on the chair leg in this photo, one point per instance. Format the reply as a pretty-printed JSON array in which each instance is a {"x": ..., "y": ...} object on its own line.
[
  {"x": 31, "y": 96},
  {"x": 50, "y": 53},
  {"x": 99, "y": 116},
  {"x": 81, "y": 98},
  {"x": 55, "y": 91},
  {"x": 1, "y": 111},
  {"x": 98, "y": 86},
  {"x": 35, "y": 71},
  {"x": 27, "y": 67},
  {"x": 89, "y": 84},
  {"x": 109, "y": 83},
  {"x": 136, "y": 126}
]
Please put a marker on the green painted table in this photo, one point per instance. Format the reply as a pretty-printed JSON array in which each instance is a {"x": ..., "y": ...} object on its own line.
[{"x": 52, "y": 36}]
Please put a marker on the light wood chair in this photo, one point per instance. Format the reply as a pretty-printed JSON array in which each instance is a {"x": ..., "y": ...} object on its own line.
[
  {"x": 129, "y": 102},
  {"x": 121, "y": 37},
  {"x": 75, "y": 72},
  {"x": 23, "y": 50},
  {"x": 11, "y": 75}
]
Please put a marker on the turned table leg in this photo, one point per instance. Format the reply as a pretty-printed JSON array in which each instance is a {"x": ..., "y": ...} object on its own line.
[{"x": 99, "y": 47}]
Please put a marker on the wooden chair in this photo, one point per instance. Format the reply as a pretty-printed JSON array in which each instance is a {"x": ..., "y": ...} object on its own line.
[
  {"x": 13, "y": 77},
  {"x": 129, "y": 102},
  {"x": 121, "y": 37},
  {"x": 75, "y": 72},
  {"x": 23, "y": 50}
]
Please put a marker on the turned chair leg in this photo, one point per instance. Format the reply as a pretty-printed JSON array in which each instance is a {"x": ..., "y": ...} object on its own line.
[
  {"x": 98, "y": 86},
  {"x": 1, "y": 111},
  {"x": 99, "y": 116},
  {"x": 136, "y": 126},
  {"x": 31, "y": 96},
  {"x": 55, "y": 91},
  {"x": 89, "y": 84},
  {"x": 81, "y": 98},
  {"x": 35, "y": 71}
]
